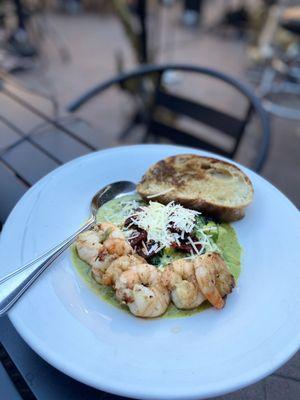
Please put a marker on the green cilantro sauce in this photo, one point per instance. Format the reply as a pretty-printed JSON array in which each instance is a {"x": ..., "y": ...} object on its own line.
[{"x": 113, "y": 211}]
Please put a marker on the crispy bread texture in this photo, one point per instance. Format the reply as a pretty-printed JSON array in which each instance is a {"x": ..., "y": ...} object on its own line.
[{"x": 213, "y": 186}]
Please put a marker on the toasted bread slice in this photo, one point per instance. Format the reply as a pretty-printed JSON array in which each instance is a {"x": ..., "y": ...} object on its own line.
[{"x": 212, "y": 186}]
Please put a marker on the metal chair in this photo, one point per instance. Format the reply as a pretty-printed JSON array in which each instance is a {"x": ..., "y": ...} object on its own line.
[
  {"x": 279, "y": 84},
  {"x": 159, "y": 97}
]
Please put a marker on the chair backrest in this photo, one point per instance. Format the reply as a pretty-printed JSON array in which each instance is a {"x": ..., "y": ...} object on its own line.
[
  {"x": 220, "y": 121},
  {"x": 157, "y": 127}
]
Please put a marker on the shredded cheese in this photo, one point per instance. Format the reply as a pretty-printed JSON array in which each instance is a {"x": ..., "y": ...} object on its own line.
[
  {"x": 145, "y": 248},
  {"x": 128, "y": 207},
  {"x": 151, "y": 196},
  {"x": 193, "y": 245},
  {"x": 158, "y": 219},
  {"x": 206, "y": 241}
]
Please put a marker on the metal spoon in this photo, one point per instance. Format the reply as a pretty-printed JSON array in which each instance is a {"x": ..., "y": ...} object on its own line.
[{"x": 12, "y": 286}]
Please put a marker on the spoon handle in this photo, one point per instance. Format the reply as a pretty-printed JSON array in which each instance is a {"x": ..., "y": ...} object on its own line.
[{"x": 12, "y": 286}]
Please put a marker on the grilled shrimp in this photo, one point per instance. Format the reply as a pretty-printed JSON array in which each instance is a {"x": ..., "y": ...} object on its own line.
[
  {"x": 100, "y": 246},
  {"x": 141, "y": 288},
  {"x": 118, "y": 266},
  {"x": 214, "y": 278},
  {"x": 114, "y": 240},
  {"x": 179, "y": 277},
  {"x": 88, "y": 246}
]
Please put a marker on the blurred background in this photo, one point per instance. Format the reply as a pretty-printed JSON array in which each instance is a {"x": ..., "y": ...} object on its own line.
[
  {"x": 57, "y": 102},
  {"x": 53, "y": 51}
]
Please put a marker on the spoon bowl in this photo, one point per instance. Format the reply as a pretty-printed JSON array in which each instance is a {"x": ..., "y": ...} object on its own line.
[{"x": 110, "y": 192}]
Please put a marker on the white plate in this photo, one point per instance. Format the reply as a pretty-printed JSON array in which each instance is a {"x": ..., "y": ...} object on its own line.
[{"x": 205, "y": 355}]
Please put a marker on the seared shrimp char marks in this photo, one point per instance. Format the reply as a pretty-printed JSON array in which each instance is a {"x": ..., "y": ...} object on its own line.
[
  {"x": 118, "y": 266},
  {"x": 214, "y": 278},
  {"x": 141, "y": 288},
  {"x": 179, "y": 277},
  {"x": 114, "y": 241},
  {"x": 100, "y": 246},
  {"x": 88, "y": 246}
]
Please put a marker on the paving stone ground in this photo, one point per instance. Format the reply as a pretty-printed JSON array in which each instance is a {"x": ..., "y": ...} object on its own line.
[{"x": 93, "y": 42}]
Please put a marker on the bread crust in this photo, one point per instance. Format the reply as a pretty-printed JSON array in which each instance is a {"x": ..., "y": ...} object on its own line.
[{"x": 177, "y": 171}]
